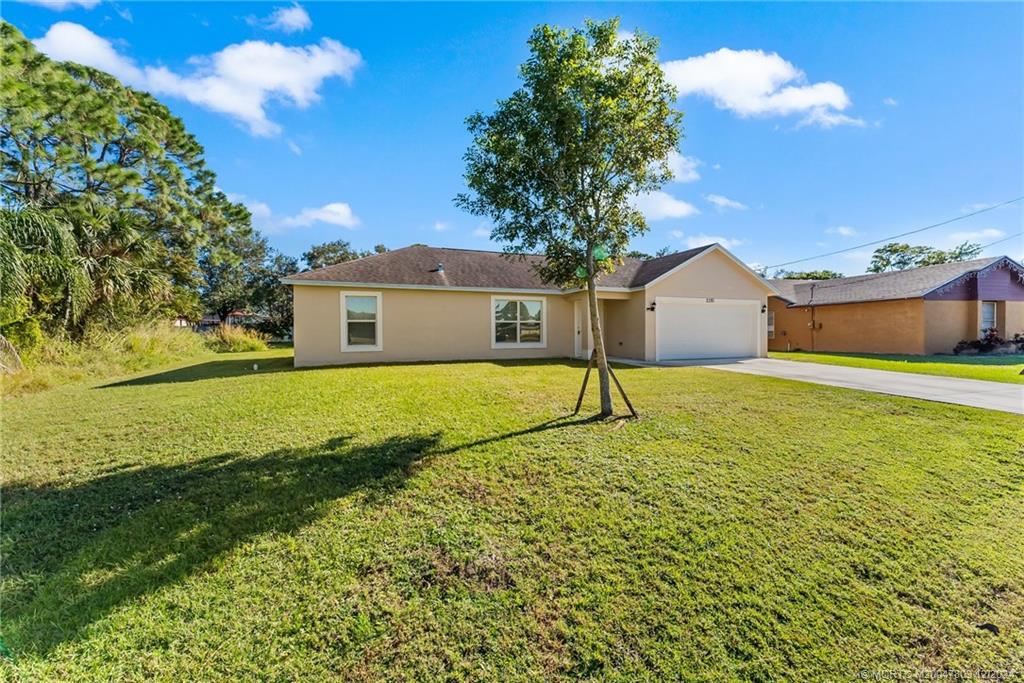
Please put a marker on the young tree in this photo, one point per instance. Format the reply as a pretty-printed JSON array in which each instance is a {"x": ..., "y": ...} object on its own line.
[{"x": 555, "y": 168}]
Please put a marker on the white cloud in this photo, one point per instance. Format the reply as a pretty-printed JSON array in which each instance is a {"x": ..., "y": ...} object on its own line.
[
  {"x": 976, "y": 206},
  {"x": 694, "y": 241},
  {"x": 260, "y": 210},
  {"x": 441, "y": 226},
  {"x": 296, "y": 150},
  {"x": 124, "y": 13},
  {"x": 336, "y": 213},
  {"x": 237, "y": 81},
  {"x": 842, "y": 231},
  {"x": 482, "y": 232},
  {"x": 659, "y": 205},
  {"x": 717, "y": 167},
  {"x": 975, "y": 235},
  {"x": 757, "y": 83},
  {"x": 61, "y": 5},
  {"x": 286, "y": 19},
  {"x": 830, "y": 119},
  {"x": 890, "y": 102},
  {"x": 684, "y": 168},
  {"x": 263, "y": 218},
  {"x": 722, "y": 203},
  {"x": 70, "y": 42}
]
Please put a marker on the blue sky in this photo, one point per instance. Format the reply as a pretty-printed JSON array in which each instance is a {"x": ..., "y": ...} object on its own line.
[{"x": 808, "y": 127}]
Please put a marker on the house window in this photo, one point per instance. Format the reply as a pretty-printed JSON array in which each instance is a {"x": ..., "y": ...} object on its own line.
[
  {"x": 360, "y": 321},
  {"x": 988, "y": 316},
  {"x": 771, "y": 324},
  {"x": 518, "y": 322}
]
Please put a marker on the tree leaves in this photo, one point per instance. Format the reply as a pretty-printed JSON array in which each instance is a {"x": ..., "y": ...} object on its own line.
[
  {"x": 116, "y": 167},
  {"x": 556, "y": 166}
]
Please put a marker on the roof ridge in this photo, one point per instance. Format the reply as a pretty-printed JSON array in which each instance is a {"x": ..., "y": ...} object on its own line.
[
  {"x": 476, "y": 251},
  {"x": 353, "y": 260},
  {"x": 982, "y": 262}
]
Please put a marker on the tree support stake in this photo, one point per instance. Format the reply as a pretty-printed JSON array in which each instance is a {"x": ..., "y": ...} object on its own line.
[{"x": 618, "y": 385}]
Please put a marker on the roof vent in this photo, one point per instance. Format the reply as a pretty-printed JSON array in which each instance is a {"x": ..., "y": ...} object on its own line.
[{"x": 440, "y": 267}]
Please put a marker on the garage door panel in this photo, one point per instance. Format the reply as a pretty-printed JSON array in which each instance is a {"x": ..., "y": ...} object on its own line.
[{"x": 702, "y": 329}]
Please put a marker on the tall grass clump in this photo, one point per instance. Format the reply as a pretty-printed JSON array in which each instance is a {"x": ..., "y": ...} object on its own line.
[
  {"x": 102, "y": 353},
  {"x": 235, "y": 338}
]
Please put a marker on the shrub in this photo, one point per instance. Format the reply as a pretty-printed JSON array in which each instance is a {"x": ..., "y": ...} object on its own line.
[
  {"x": 235, "y": 338},
  {"x": 102, "y": 353},
  {"x": 989, "y": 341}
]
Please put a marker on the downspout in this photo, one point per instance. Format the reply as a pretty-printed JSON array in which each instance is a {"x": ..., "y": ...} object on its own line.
[{"x": 810, "y": 302}]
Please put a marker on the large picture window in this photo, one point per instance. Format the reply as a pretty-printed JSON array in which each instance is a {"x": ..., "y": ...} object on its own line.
[
  {"x": 517, "y": 322},
  {"x": 360, "y": 321}
]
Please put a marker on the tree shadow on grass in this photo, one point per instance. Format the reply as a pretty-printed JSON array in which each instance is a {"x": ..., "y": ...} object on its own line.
[
  {"x": 216, "y": 369},
  {"x": 74, "y": 554},
  {"x": 213, "y": 369}
]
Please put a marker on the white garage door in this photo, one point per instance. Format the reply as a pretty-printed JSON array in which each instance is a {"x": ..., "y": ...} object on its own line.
[{"x": 706, "y": 328}]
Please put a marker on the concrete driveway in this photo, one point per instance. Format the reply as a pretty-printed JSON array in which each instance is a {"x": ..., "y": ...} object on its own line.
[{"x": 966, "y": 392}]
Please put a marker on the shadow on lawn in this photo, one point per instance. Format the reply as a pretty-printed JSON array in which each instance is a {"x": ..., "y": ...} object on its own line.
[
  {"x": 216, "y": 369},
  {"x": 213, "y": 369},
  {"x": 75, "y": 554}
]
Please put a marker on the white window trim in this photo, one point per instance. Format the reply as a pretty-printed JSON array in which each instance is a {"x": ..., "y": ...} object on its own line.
[
  {"x": 356, "y": 348},
  {"x": 995, "y": 316},
  {"x": 771, "y": 324},
  {"x": 542, "y": 344}
]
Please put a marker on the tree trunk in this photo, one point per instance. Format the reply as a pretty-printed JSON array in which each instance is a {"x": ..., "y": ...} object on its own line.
[{"x": 595, "y": 330}]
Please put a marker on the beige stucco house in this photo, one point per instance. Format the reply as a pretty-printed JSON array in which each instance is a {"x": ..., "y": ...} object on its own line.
[{"x": 424, "y": 303}]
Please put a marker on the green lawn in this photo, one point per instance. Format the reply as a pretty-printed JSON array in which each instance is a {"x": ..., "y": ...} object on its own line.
[
  {"x": 992, "y": 368},
  {"x": 449, "y": 521}
]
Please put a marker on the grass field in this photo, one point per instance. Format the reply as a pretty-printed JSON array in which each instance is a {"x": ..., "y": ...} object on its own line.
[
  {"x": 991, "y": 368},
  {"x": 450, "y": 521}
]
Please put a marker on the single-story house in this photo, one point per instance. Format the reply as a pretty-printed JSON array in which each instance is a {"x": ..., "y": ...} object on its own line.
[
  {"x": 916, "y": 311},
  {"x": 427, "y": 303}
]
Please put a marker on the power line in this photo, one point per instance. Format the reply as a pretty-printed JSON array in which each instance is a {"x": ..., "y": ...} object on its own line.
[
  {"x": 902, "y": 234},
  {"x": 1004, "y": 239}
]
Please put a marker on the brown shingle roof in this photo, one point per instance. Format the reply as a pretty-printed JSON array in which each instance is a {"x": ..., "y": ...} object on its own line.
[
  {"x": 900, "y": 284},
  {"x": 417, "y": 265}
]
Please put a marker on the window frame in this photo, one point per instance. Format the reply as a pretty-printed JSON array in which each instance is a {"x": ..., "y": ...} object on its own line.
[
  {"x": 542, "y": 344},
  {"x": 378, "y": 322},
  {"x": 981, "y": 315},
  {"x": 771, "y": 324}
]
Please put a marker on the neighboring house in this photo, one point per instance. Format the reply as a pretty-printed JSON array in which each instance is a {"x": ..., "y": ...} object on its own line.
[
  {"x": 917, "y": 311},
  {"x": 236, "y": 317},
  {"x": 427, "y": 303}
]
